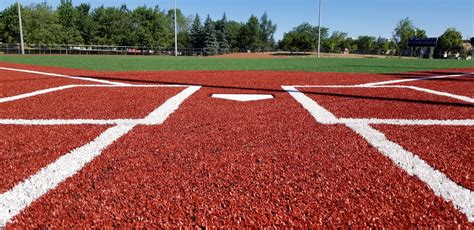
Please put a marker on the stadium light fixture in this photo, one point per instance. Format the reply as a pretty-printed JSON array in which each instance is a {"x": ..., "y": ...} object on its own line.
[
  {"x": 175, "y": 32},
  {"x": 319, "y": 30},
  {"x": 22, "y": 46}
]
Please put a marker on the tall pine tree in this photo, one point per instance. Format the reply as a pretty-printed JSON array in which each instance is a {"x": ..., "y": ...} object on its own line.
[
  {"x": 196, "y": 37},
  {"x": 222, "y": 35},
  {"x": 211, "y": 46}
]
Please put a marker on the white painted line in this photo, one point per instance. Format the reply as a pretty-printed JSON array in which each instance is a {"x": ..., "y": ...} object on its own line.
[
  {"x": 44, "y": 91},
  {"x": 64, "y": 76},
  {"x": 331, "y": 86},
  {"x": 375, "y": 121},
  {"x": 136, "y": 86},
  {"x": 414, "y": 79},
  {"x": 430, "y": 91},
  {"x": 158, "y": 116},
  {"x": 243, "y": 97},
  {"x": 458, "y": 97},
  {"x": 36, "y": 93},
  {"x": 25, "y": 193},
  {"x": 462, "y": 198},
  {"x": 48, "y": 122},
  {"x": 319, "y": 113}
]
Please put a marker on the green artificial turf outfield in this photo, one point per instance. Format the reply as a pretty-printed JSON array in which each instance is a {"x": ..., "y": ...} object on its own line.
[{"x": 137, "y": 63}]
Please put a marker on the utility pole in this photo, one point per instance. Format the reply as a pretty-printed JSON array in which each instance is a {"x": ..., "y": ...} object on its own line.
[
  {"x": 22, "y": 45},
  {"x": 319, "y": 30},
  {"x": 175, "y": 32}
]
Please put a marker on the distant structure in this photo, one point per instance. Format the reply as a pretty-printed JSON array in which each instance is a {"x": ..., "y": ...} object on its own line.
[{"x": 427, "y": 45}]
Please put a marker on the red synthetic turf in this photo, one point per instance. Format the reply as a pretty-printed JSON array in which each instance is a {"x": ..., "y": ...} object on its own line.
[
  {"x": 26, "y": 149},
  {"x": 15, "y": 83},
  {"x": 389, "y": 103},
  {"x": 89, "y": 103},
  {"x": 448, "y": 149},
  {"x": 218, "y": 162},
  {"x": 224, "y": 163}
]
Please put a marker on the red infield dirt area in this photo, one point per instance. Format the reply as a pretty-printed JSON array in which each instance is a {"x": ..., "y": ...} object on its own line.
[
  {"x": 89, "y": 103},
  {"x": 26, "y": 149},
  {"x": 447, "y": 148},
  {"x": 223, "y": 163},
  {"x": 389, "y": 103}
]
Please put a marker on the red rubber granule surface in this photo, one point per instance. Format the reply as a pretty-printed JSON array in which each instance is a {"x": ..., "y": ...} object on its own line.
[
  {"x": 225, "y": 163},
  {"x": 92, "y": 103},
  {"x": 24, "y": 150},
  {"x": 389, "y": 103},
  {"x": 446, "y": 148}
]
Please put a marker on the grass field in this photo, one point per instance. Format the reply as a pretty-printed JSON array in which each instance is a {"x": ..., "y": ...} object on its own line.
[{"x": 129, "y": 63}]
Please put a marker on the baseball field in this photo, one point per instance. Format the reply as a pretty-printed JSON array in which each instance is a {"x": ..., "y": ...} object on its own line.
[{"x": 154, "y": 142}]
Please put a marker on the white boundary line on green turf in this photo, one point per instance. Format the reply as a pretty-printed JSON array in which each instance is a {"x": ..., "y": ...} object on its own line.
[
  {"x": 48, "y": 178},
  {"x": 63, "y": 76},
  {"x": 461, "y": 197}
]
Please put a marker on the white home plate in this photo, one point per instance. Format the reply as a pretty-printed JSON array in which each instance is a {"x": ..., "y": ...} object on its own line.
[{"x": 243, "y": 97}]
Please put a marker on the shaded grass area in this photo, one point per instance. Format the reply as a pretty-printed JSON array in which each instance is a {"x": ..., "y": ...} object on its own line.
[{"x": 155, "y": 63}]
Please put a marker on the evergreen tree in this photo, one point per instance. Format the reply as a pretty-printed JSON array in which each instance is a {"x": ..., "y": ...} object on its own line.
[
  {"x": 196, "y": 34},
  {"x": 222, "y": 34},
  {"x": 211, "y": 46}
]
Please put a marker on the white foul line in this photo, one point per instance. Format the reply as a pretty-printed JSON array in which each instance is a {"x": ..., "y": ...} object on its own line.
[
  {"x": 25, "y": 193},
  {"x": 50, "y": 122},
  {"x": 36, "y": 93},
  {"x": 375, "y": 121},
  {"x": 63, "y": 76},
  {"x": 430, "y": 91},
  {"x": 414, "y": 79},
  {"x": 50, "y": 90},
  {"x": 462, "y": 198},
  {"x": 458, "y": 97}
]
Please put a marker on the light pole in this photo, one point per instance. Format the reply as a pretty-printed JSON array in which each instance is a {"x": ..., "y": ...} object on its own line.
[
  {"x": 175, "y": 32},
  {"x": 319, "y": 30},
  {"x": 22, "y": 46}
]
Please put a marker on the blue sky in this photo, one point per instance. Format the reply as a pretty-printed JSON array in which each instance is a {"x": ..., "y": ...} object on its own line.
[{"x": 356, "y": 17}]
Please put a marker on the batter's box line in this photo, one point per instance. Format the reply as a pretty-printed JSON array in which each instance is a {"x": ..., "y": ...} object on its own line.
[
  {"x": 64, "y": 87},
  {"x": 461, "y": 197},
  {"x": 23, "y": 194}
]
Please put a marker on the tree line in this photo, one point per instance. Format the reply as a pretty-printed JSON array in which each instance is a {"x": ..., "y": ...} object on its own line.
[
  {"x": 305, "y": 38},
  {"x": 143, "y": 27},
  {"x": 148, "y": 27}
]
